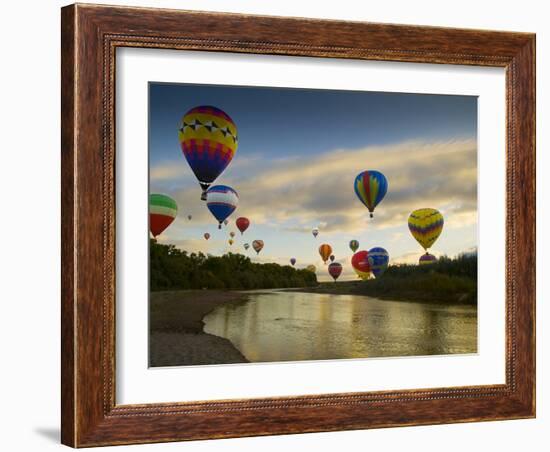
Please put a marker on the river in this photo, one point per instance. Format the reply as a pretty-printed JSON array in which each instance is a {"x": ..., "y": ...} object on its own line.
[{"x": 294, "y": 326}]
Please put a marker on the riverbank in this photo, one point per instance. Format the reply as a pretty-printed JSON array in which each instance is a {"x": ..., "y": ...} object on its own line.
[
  {"x": 176, "y": 328},
  {"x": 441, "y": 289}
]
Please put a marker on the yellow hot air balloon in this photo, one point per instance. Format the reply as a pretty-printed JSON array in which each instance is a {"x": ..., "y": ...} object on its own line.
[{"x": 426, "y": 226}]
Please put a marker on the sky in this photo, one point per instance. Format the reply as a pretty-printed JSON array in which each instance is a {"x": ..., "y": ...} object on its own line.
[{"x": 298, "y": 154}]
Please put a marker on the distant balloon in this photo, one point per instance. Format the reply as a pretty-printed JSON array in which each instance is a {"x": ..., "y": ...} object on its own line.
[
  {"x": 315, "y": 232},
  {"x": 258, "y": 245},
  {"x": 354, "y": 245},
  {"x": 246, "y": 246},
  {"x": 426, "y": 226},
  {"x": 361, "y": 265},
  {"x": 242, "y": 224},
  {"x": 221, "y": 200},
  {"x": 378, "y": 261},
  {"x": 232, "y": 234},
  {"x": 427, "y": 259},
  {"x": 208, "y": 139},
  {"x": 226, "y": 222},
  {"x": 332, "y": 257},
  {"x": 370, "y": 187},
  {"x": 311, "y": 268},
  {"x": 230, "y": 242},
  {"x": 335, "y": 270},
  {"x": 292, "y": 261},
  {"x": 189, "y": 217},
  {"x": 206, "y": 235},
  {"x": 162, "y": 212},
  {"x": 325, "y": 251}
]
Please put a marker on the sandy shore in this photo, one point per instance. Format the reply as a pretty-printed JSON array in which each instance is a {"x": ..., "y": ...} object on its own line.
[{"x": 176, "y": 329}]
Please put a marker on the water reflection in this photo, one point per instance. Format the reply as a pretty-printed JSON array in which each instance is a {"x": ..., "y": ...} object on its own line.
[{"x": 293, "y": 326}]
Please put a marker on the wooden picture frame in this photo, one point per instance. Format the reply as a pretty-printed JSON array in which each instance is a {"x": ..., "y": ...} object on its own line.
[{"x": 90, "y": 36}]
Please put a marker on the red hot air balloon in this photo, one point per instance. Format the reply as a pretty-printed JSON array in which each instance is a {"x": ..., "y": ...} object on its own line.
[
  {"x": 335, "y": 270},
  {"x": 242, "y": 224},
  {"x": 360, "y": 263}
]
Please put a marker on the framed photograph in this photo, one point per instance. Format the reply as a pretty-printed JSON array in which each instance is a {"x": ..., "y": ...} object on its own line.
[{"x": 278, "y": 225}]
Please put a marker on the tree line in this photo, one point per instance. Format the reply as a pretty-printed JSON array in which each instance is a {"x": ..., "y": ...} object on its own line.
[{"x": 173, "y": 269}]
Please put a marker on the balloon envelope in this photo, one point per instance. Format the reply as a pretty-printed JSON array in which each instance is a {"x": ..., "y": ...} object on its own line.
[
  {"x": 189, "y": 217},
  {"x": 427, "y": 259},
  {"x": 246, "y": 246},
  {"x": 242, "y": 224},
  {"x": 360, "y": 263},
  {"x": 378, "y": 260},
  {"x": 315, "y": 232},
  {"x": 325, "y": 251},
  {"x": 206, "y": 235},
  {"x": 354, "y": 245},
  {"x": 232, "y": 234},
  {"x": 292, "y": 260},
  {"x": 332, "y": 258},
  {"x": 311, "y": 268},
  {"x": 258, "y": 245},
  {"x": 221, "y": 200},
  {"x": 208, "y": 139},
  {"x": 426, "y": 226},
  {"x": 230, "y": 242},
  {"x": 370, "y": 187},
  {"x": 162, "y": 212},
  {"x": 335, "y": 270}
]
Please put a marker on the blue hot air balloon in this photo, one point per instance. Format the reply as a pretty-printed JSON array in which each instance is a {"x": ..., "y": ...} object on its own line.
[
  {"x": 370, "y": 187},
  {"x": 222, "y": 201},
  {"x": 378, "y": 260}
]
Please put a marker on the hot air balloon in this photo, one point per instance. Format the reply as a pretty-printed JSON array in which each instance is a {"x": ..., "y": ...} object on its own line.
[
  {"x": 315, "y": 232},
  {"x": 232, "y": 234},
  {"x": 427, "y": 259},
  {"x": 360, "y": 263},
  {"x": 189, "y": 217},
  {"x": 225, "y": 222},
  {"x": 332, "y": 258},
  {"x": 378, "y": 260},
  {"x": 354, "y": 245},
  {"x": 208, "y": 139},
  {"x": 242, "y": 224},
  {"x": 292, "y": 261},
  {"x": 221, "y": 200},
  {"x": 335, "y": 270},
  {"x": 426, "y": 226},
  {"x": 370, "y": 187},
  {"x": 246, "y": 246},
  {"x": 311, "y": 268},
  {"x": 325, "y": 251},
  {"x": 206, "y": 235},
  {"x": 162, "y": 211},
  {"x": 230, "y": 242},
  {"x": 258, "y": 245}
]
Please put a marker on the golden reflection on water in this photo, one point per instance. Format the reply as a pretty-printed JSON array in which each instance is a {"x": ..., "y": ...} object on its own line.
[{"x": 294, "y": 326}]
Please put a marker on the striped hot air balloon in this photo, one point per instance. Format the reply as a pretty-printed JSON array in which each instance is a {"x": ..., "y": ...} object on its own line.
[
  {"x": 258, "y": 245},
  {"x": 208, "y": 139},
  {"x": 361, "y": 265},
  {"x": 221, "y": 200},
  {"x": 325, "y": 251},
  {"x": 162, "y": 212},
  {"x": 370, "y": 187},
  {"x": 335, "y": 270},
  {"x": 426, "y": 226},
  {"x": 378, "y": 260},
  {"x": 427, "y": 259}
]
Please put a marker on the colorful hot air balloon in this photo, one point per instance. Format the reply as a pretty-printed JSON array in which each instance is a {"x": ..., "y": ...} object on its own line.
[
  {"x": 232, "y": 234},
  {"x": 208, "y": 139},
  {"x": 292, "y": 261},
  {"x": 242, "y": 224},
  {"x": 426, "y": 226},
  {"x": 354, "y": 245},
  {"x": 206, "y": 235},
  {"x": 246, "y": 246},
  {"x": 378, "y": 261},
  {"x": 221, "y": 200},
  {"x": 258, "y": 245},
  {"x": 230, "y": 242},
  {"x": 311, "y": 268},
  {"x": 335, "y": 270},
  {"x": 361, "y": 265},
  {"x": 162, "y": 211},
  {"x": 325, "y": 251},
  {"x": 427, "y": 259},
  {"x": 315, "y": 232},
  {"x": 370, "y": 187},
  {"x": 332, "y": 257},
  {"x": 189, "y": 217}
]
